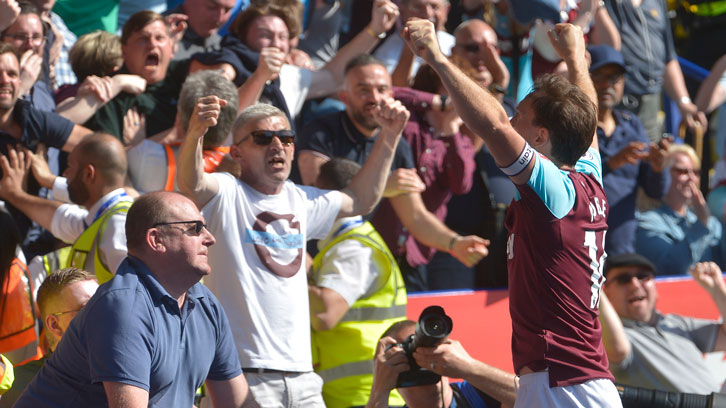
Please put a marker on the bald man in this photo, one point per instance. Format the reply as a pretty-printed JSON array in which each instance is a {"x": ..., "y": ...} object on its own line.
[
  {"x": 94, "y": 223},
  {"x": 476, "y": 42}
]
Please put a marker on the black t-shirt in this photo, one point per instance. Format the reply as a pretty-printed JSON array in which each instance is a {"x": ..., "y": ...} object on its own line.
[
  {"x": 335, "y": 135},
  {"x": 158, "y": 103}
]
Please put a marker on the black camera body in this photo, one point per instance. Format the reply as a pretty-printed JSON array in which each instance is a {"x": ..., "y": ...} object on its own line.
[{"x": 432, "y": 328}]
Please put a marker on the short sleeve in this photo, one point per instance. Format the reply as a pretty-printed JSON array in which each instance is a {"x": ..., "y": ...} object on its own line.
[
  {"x": 120, "y": 339},
  {"x": 49, "y": 128},
  {"x": 314, "y": 137},
  {"x": 552, "y": 186},
  {"x": 225, "y": 364},
  {"x": 590, "y": 163},
  {"x": 347, "y": 269},
  {"x": 323, "y": 207},
  {"x": 403, "y": 158}
]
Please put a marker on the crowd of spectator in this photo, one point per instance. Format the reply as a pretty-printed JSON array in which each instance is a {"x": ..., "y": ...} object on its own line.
[{"x": 257, "y": 187}]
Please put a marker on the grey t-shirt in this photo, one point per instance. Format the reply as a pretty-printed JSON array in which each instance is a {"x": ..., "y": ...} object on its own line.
[
  {"x": 669, "y": 355},
  {"x": 647, "y": 43}
]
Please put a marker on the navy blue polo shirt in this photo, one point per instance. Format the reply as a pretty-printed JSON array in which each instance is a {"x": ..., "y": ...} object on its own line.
[
  {"x": 622, "y": 183},
  {"x": 132, "y": 332}
]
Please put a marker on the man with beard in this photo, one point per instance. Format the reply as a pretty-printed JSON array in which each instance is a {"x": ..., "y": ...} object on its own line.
[
  {"x": 627, "y": 161},
  {"x": 95, "y": 223},
  {"x": 351, "y": 134},
  {"x": 21, "y": 123}
]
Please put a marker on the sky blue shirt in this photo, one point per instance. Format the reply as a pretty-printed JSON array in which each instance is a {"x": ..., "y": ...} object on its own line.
[
  {"x": 132, "y": 332},
  {"x": 554, "y": 187}
]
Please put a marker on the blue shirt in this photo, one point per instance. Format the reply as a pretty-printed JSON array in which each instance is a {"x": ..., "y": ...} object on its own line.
[
  {"x": 674, "y": 242},
  {"x": 621, "y": 184},
  {"x": 132, "y": 332}
]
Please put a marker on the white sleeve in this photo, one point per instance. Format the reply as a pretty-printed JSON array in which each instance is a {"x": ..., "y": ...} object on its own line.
[
  {"x": 113, "y": 242},
  {"x": 347, "y": 269},
  {"x": 68, "y": 222},
  {"x": 60, "y": 190},
  {"x": 323, "y": 207}
]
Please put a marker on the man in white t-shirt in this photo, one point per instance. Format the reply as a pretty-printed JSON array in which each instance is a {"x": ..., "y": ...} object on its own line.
[{"x": 262, "y": 222}]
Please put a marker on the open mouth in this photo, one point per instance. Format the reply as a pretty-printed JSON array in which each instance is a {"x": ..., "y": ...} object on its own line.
[
  {"x": 152, "y": 60},
  {"x": 6, "y": 92},
  {"x": 277, "y": 162}
]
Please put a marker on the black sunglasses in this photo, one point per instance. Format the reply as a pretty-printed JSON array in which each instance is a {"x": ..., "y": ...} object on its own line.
[
  {"x": 473, "y": 47},
  {"x": 198, "y": 225},
  {"x": 625, "y": 278},
  {"x": 264, "y": 137}
]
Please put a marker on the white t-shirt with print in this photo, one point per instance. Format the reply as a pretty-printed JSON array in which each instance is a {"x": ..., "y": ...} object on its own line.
[{"x": 258, "y": 267}]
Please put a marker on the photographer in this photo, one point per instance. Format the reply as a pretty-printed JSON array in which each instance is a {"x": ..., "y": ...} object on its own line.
[{"x": 484, "y": 385}]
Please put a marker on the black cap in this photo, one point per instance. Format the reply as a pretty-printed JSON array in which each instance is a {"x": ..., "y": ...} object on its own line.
[
  {"x": 601, "y": 55},
  {"x": 620, "y": 260}
]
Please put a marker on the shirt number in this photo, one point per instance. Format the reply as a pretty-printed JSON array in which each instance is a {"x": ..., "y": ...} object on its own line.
[{"x": 596, "y": 266}]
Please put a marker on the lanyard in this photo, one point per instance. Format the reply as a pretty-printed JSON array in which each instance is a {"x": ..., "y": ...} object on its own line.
[
  {"x": 346, "y": 225},
  {"x": 111, "y": 201}
]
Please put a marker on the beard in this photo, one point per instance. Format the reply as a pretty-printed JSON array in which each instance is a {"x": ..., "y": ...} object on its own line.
[
  {"x": 77, "y": 192},
  {"x": 366, "y": 120}
]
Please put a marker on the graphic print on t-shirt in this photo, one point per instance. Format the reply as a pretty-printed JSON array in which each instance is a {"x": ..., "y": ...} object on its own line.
[{"x": 278, "y": 241}]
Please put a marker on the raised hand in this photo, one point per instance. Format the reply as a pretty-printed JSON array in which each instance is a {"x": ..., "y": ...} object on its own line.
[
  {"x": 392, "y": 116},
  {"x": 39, "y": 165},
  {"x": 658, "y": 153},
  {"x": 389, "y": 361},
  {"x": 205, "y": 115},
  {"x": 383, "y": 15},
  {"x": 270, "y": 62},
  {"x": 177, "y": 24},
  {"x": 9, "y": 11},
  {"x": 420, "y": 35},
  {"x": 708, "y": 276},
  {"x": 568, "y": 41}
]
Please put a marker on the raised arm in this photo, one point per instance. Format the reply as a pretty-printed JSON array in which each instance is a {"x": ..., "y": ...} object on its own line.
[
  {"x": 617, "y": 345},
  {"x": 708, "y": 275},
  {"x": 95, "y": 92},
  {"x": 482, "y": 112},
  {"x": 15, "y": 169},
  {"x": 383, "y": 16},
  {"x": 191, "y": 178},
  {"x": 366, "y": 188},
  {"x": 711, "y": 94}
]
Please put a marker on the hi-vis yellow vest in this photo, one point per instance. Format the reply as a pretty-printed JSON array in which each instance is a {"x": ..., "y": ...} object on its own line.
[
  {"x": 90, "y": 240},
  {"x": 343, "y": 356}
]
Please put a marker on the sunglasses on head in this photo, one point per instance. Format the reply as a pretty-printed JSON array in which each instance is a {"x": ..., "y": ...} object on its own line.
[
  {"x": 625, "y": 278},
  {"x": 198, "y": 225},
  {"x": 264, "y": 137}
]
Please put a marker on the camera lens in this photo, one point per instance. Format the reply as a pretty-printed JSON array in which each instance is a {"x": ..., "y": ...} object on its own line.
[{"x": 435, "y": 326}]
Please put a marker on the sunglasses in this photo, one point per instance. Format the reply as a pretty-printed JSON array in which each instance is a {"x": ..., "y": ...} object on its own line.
[
  {"x": 264, "y": 137},
  {"x": 198, "y": 225},
  {"x": 625, "y": 278}
]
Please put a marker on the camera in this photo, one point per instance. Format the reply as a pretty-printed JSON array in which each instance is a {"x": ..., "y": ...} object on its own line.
[{"x": 432, "y": 328}]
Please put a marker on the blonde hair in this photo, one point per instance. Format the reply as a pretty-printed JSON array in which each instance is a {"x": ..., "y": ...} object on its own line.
[
  {"x": 95, "y": 53},
  {"x": 683, "y": 149}
]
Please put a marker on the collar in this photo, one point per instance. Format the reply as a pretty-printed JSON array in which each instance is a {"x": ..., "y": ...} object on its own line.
[
  {"x": 157, "y": 292},
  {"x": 94, "y": 209},
  {"x": 631, "y": 324},
  {"x": 352, "y": 132},
  {"x": 340, "y": 226}
]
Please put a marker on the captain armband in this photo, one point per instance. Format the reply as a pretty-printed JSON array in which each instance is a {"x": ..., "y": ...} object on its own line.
[{"x": 521, "y": 163}]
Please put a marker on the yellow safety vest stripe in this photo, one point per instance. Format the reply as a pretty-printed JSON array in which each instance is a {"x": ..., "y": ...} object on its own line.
[{"x": 90, "y": 239}]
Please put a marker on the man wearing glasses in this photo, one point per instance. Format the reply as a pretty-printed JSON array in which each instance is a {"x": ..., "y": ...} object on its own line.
[
  {"x": 263, "y": 221},
  {"x": 61, "y": 296},
  {"x": 651, "y": 350},
  {"x": 153, "y": 334}
]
